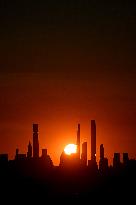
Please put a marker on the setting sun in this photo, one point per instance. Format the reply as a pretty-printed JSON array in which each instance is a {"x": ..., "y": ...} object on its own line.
[{"x": 70, "y": 149}]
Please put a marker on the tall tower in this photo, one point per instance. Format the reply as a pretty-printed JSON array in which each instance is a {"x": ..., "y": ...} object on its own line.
[
  {"x": 78, "y": 141},
  {"x": 29, "y": 153},
  {"x": 84, "y": 154},
  {"x": 93, "y": 140},
  {"x": 35, "y": 141},
  {"x": 101, "y": 152},
  {"x": 103, "y": 163}
]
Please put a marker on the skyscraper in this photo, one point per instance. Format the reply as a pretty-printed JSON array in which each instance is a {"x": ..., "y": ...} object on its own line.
[
  {"x": 78, "y": 141},
  {"x": 103, "y": 163},
  {"x": 101, "y": 152},
  {"x": 84, "y": 154},
  {"x": 29, "y": 153},
  {"x": 93, "y": 140},
  {"x": 35, "y": 141}
]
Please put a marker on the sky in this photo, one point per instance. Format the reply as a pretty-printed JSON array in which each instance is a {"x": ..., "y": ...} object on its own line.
[{"x": 64, "y": 63}]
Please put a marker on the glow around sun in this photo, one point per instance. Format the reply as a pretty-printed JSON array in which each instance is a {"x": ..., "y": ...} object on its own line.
[{"x": 70, "y": 149}]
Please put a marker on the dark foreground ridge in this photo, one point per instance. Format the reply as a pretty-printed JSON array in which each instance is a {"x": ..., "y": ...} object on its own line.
[{"x": 33, "y": 179}]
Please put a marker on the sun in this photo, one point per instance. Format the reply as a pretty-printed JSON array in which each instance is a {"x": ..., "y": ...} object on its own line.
[{"x": 70, "y": 149}]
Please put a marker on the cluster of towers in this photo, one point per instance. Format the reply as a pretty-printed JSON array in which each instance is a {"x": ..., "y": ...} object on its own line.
[
  {"x": 78, "y": 158},
  {"x": 33, "y": 150},
  {"x": 84, "y": 145},
  {"x": 81, "y": 158}
]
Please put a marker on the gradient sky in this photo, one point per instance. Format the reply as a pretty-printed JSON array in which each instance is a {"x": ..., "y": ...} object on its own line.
[{"x": 63, "y": 63}]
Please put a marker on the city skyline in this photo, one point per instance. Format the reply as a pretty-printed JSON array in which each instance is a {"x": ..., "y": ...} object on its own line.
[
  {"x": 67, "y": 81},
  {"x": 33, "y": 149},
  {"x": 33, "y": 177},
  {"x": 67, "y": 62}
]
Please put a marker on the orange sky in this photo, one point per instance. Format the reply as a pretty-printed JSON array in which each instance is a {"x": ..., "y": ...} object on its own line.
[
  {"x": 67, "y": 63},
  {"x": 58, "y": 106}
]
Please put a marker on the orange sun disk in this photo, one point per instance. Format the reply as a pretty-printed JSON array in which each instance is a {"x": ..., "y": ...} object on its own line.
[{"x": 70, "y": 149}]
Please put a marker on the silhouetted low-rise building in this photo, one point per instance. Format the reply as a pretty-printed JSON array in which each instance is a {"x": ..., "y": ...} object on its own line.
[
  {"x": 84, "y": 154},
  {"x": 116, "y": 160},
  {"x": 103, "y": 165},
  {"x": 92, "y": 165},
  {"x": 44, "y": 153},
  {"x": 19, "y": 156},
  {"x": 3, "y": 157},
  {"x": 69, "y": 161},
  {"x": 125, "y": 159}
]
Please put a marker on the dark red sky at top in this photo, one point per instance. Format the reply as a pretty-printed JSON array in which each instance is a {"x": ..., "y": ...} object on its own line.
[{"x": 63, "y": 64}]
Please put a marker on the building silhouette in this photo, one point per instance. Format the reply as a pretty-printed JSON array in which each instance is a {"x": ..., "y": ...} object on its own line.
[
  {"x": 103, "y": 163},
  {"x": 17, "y": 153},
  {"x": 3, "y": 157},
  {"x": 46, "y": 160},
  {"x": 69, "y": 161},
  {"x": 35, "y": 141},
  {"x": 101, "y": 152},
  {"x": 44, "y": 153},
  {"x": 92, "y": 163},
  {"x": 37, "y": 178},
  {"x": 19, "y": 156},
  {"x": 29, "y": 153},
  {"x": 84, "y": 154},
  {"x": 125, "y": 158},
  {"x": 116, "y": 160},
  {"x": 78, "y": 141},
  {"x": 93, "y": 140}
]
